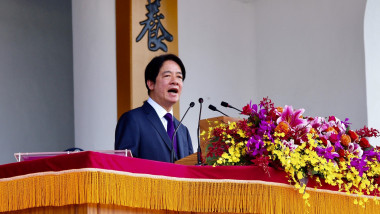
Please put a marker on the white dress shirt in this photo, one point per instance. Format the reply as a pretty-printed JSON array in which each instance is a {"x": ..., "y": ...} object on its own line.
[{"x": 161, "y": 112}]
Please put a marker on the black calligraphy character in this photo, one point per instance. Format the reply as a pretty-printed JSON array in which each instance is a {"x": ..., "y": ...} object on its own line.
[{"x": 153, "y": 26}]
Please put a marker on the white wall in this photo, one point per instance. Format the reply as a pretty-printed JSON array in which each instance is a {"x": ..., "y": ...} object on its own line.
[
  {"x": 372, "y": 59},
  {"x": 216, "y": 45},
  {"x": 309, "y": 54},
  {"x": 36, "y": 88},
  {"x": 94, "y": 43}
]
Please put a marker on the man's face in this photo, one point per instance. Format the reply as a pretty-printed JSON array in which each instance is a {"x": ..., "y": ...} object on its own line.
[{"x": 168, "y": 86}]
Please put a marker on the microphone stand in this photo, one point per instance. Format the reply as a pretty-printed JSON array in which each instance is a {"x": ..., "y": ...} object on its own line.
[
  {"x": 199, "y": 151},
  {"x": 172, "y": 155}
]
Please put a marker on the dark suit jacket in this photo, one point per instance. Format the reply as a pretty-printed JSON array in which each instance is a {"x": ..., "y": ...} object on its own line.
[{"x": 142, "y": 131}]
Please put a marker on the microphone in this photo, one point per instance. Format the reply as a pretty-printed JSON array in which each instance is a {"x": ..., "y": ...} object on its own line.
[
  {"x": 213, "y": 108},
  {"x": 229, "y": 106},
  {"x": 199, "y": 151},
  {"x": 172, "y": 156}
]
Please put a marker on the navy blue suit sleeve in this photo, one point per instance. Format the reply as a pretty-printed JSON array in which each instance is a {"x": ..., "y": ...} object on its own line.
[{"x": 127, "y": 134}]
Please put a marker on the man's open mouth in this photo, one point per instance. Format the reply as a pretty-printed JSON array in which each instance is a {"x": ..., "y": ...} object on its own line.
[{"x": 173, "y": 90}]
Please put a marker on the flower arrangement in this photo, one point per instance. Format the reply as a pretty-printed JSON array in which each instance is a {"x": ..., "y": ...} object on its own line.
[{"x": 304, "y": 147}]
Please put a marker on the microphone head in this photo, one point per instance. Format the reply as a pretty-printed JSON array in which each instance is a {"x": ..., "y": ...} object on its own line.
[
  {"x": 212, "y": 107},
  {"x": 224, "y": 104},
  {"x": 192, "y": 104},
  {"x": 200, "y": 100}
]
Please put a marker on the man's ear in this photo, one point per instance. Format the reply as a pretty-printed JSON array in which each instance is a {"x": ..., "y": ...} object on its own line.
[{"x": 150, "y": 84}]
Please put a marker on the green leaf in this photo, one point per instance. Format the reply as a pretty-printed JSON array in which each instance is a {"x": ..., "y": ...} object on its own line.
[{"x": 214, "y": 139}]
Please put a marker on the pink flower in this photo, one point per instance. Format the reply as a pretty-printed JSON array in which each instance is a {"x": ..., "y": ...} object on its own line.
[
  {"x": 293, "y": 118},
  {"x": 332, "y": 118},
  {"x": 333, "y": 138},
  {"x": 355, "y": 149}
]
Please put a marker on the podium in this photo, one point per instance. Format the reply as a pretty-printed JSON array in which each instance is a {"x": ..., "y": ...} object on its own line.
[
  {"x": 92, "y": 182},
  {"x": 102, "y": 183},
  {"x": 205, "y": 124}
]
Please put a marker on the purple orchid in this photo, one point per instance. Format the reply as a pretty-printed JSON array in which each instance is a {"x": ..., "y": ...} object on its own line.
[
  {"x": 338, "y": 146},
  {"x": 345, "y": 122},
  {"x": 359, "y": 164},
  {"x": 255, "y": 146},
  {"x": 371, "y": 155},
  {"x": 326, "y": 153},
  {"x": 266, "y": 128}
]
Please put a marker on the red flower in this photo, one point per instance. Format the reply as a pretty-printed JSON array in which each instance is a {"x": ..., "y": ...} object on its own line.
[
  {"x": 336, "y": 129},
  {"x": 364, "y": 143},
  {"x": 377, "y": 180},
  {"x": 247, "y": 110},
  {"x": 353, "y": 135},
  {"x": 341, "y": 153},
  {"x": 324, "y": 141},
  {"x": 368, "y": 132}
]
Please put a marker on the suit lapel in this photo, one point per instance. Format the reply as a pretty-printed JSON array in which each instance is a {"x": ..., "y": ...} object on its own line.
[{"x": 157, "y": 124}]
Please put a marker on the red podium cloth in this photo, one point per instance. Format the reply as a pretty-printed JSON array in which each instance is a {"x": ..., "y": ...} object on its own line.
[
  {"x": 97, "y": 160},
  {"x": 96, "y": 178}
]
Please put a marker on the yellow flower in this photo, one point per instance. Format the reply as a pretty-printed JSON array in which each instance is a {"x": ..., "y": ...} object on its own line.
[
  {"x": 271, "y": 147},
  {"x": 224, "y": 155},
  {"x": 232, "y": 125},
  {"x": 220, "y": 161},
  {"x": 356, "y": 201},
  {"x": 276, "y": 134},
  {"x": 299, "y": 175},
  {"x": 306, "y": 196},
  {"x": 232, "y": 141},
  {"x": 241, "y": 133}
]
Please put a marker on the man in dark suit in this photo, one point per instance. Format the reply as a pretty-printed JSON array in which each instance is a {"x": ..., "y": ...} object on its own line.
[{"x": 147, "y": 131}]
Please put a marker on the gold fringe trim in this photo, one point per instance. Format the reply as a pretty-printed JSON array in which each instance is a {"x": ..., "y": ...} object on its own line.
[{"x": 160, "y": 193}]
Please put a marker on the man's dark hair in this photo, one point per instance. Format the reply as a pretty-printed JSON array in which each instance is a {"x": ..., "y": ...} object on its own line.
[{"x": 153, "y": 68}]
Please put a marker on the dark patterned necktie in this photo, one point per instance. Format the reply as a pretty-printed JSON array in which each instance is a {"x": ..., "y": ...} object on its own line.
[{"x": 170, "y": 130}]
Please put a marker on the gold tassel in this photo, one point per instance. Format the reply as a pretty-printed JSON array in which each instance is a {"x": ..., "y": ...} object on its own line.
[{"x": 92, "y": 186}]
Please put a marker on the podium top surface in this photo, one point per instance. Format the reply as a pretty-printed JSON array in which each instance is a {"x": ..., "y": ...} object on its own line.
[{"x": 38, "y": 155}]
